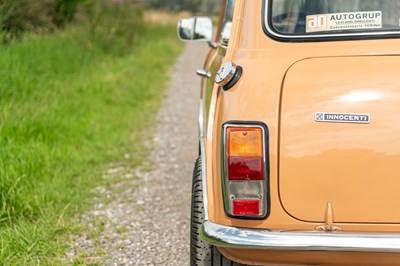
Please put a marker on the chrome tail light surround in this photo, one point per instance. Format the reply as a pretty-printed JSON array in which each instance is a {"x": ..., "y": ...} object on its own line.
[{"x": 243, "y": 196}]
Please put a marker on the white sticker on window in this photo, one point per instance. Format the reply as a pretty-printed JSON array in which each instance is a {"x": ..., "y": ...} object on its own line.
[{"x": 344, "y": 21}]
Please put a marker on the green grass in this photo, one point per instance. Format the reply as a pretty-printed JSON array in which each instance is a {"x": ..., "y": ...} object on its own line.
[{"x": 68, "y": 109}]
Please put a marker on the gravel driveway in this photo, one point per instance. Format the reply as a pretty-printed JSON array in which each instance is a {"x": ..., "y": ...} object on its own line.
[{"x": 149, "y": 224}]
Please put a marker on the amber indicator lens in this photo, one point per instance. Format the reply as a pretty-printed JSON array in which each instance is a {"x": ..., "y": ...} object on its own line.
[
  {"x": 248, "y": 207},
  {"x": 245, "y": 153},
  {"x": 245, "y": 142}
]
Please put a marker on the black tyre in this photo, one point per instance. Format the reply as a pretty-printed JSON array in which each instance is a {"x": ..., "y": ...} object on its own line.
[{"x": 201, "y": 253}]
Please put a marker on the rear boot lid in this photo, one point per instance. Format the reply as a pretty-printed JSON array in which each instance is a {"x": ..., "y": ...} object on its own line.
[{"x": 340, "y": 139}]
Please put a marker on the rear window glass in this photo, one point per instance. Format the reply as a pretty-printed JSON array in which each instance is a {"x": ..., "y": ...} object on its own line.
[{"x": 324, "y": 17}]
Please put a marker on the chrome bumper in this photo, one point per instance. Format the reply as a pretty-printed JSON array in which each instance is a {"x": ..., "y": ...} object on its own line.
[{"x": 233, "y": 237}]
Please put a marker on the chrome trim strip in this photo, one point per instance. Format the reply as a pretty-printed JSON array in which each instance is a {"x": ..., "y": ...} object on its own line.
[
  {"x": 232, "y": 237},
  {"x": 201, "y": 119},
  {"x": 304, "y": 36},
  {"x": 203, "y": 158},
  {"x": 204, "y": 177}
]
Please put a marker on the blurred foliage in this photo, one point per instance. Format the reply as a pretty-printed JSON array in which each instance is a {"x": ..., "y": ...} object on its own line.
[
  {"x": 42, "y": 16},
  {"x": 66, "y": 10},
  {"x": 196, "y": 6},
  {"x": 118, "y": 20},
  {"x": 177, "y": 5},
  {"x": 112, "y": 25},
  {"x": 17, "y": 16}
]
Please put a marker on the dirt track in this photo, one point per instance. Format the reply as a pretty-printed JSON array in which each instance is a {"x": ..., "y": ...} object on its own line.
[{"x": 149, "y": 225}]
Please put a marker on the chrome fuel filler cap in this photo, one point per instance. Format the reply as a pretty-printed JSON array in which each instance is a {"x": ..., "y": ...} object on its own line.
[{"x": 228, "y": 75}]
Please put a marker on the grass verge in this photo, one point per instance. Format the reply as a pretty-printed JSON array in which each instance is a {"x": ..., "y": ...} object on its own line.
[{"x": 66, "y": 111}]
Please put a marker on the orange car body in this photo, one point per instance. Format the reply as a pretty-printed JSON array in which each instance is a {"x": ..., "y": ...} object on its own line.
[{"x": 325, "y": 178}]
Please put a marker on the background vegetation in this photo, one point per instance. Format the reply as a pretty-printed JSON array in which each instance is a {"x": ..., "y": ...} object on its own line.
[
  {"x": 194, "y": 6},
  {"x": 18, "y": 16},
  {"x": 43, "y": 16},
  {"x": 79, "y": 84}
]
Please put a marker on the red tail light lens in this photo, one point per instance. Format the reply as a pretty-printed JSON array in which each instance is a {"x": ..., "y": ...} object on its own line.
[
  {"x": 242, "y": 168},
  {"x": 244, "y": 171},
  {"x": 246, "y": 207}
]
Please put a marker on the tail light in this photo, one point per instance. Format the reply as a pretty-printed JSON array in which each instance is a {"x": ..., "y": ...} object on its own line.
[{"x": 245, "y": 170}]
